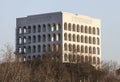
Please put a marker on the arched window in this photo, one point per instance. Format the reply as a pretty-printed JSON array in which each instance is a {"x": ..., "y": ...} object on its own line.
[
  {"x": 65, "y": 26},
  {"x": 90, "y": 40},
  {"x": 82, "y": 49},
  {"x": 20, "y": 40},
  {"x": 69, "y": 26},
  {"x": 90, "y": 59},
  {"x": 29, "y": 49},
  {"x": 78, "y": 38},
  {"x": 82, "y": 29},
  {"x": 90, "y": 31},
  {"x": 69, "y": 37},
  {"x": 34, "y": 39},
  {"x": 54, "y": 48},
  {"x": 39, "y": 48},
  {"x": 78, "y": 28},
  {"x": 86, "y": 59},
  {"x": 98, "y": 50},
  {"x": 49, "y": 37},
  {"x": 90, "y": 50},
  {"x": 24, "y": 50},
  {"x": 29, "y": 39},
  {"x": 34, "y": 29},
  {"x": 98, "y": 60},
  {"x": 74, "y": 48},
  {"x": 44, "y": 38},
  {"x": 86, "y": 49},
  {"x": 34, "y": 49},
  {"x": 24, "y": 29},
  {"x": 78, "y": 48},
  {"x": 86, "y": 30},
  {"x": 70, "y": 58},
  {"x": 94, "y": 50},
  {"x": 98, "y": 41},
  {"x": 44, "y": 28},
  {"x": 49, "y": 47},
  {"x": 65, "y": 47},
  {"x": 24, "y": 39},
  {"x": 49, "y": 27},
  {"x": 39, "y": 28},
  {"x": 70, "y": 47},
  {"x": 29, "y": 29},
  {"x": 94, "y": 60},
  {"x": 65, "y": 36},
  {"x": 54, "y": 37},
  {"x": 59, "y": 27},
  {"x": 74, "y": 38},
  {"x": 44, "y": 48},
  {"x": 19, "y": 30},
  {"x": 93, "y": 30},
  {"x": 74, "y": 28},
  {"x": 82, "y": 59},
  {"x": 65, "y": 57},
  {"x": 82, "y": 39},
  {"x": 39, "y": 38},
  {"x": 98, "y": 31},
  {"x": 94, "y": 41},
  {"x": 74, "y": 58},
  {"x": 78, "y": 58},
  {"x": 86, "y": 39}
]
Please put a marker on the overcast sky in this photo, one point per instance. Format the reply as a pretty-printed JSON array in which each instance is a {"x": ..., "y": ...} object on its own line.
[{"x": 106, "y": 10}]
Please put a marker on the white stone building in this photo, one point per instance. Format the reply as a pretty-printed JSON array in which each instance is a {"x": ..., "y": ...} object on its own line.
[{"x": 74, "y": 37}]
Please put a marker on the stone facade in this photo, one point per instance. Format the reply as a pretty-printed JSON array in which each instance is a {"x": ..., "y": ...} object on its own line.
[{"x": 74, "y": 37}]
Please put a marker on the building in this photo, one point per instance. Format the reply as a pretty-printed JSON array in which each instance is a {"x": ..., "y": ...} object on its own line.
[{"x": 77, "y": 38}]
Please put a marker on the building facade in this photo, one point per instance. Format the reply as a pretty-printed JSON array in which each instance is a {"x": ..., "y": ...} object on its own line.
[{"x": 73, "y": 37}]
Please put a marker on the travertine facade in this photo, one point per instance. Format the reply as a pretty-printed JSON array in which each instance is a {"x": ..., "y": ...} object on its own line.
[{"x": 74, "y": 37}]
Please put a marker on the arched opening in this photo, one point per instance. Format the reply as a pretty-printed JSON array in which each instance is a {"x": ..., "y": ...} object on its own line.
[
  {"x": 65, "y": 26},
  {"x": 44, "y": 38},
  {"x": 86, "y": 39},
  {"x": 70, "y": 58},
  {"x": 82, "y": 59},
  {"x": 44, "y": 48},
  {"x": 24, "y": 29},
  {"x": 90, "y": 59},
  {"x": 82, "y": 49},
  {"x": 74, "y": 58},
  {"x": 98, "y": 50},
  {"x": 24, "y": 40},
  {"x": 49, "y": 37},
  {"x": 86, "y": 49},
  {"x": 24, "y": 50},
  {"x": 70, "y": 47},
  {"x": 29, "y": 49},
  {"x": 49, "y": 48},
  {"x": 69, "y": 26},
  {"x": 39, "y": 48},
  {"x": 29, "y": 29},
  {"x": 34, "y": 39},
  {"x": 90, "y": 50},
  {"x": 49, "y": 27},
  {"x": 94, "y": 60},
  {"x": 78, "y": 48},
  {"x": 90, "y": 31},
  {"x": 65, "y": 36},
  {"x": 94, "y": 41},
  {"x": 78, "y": 38},
  {"x": 74, "y": 38},
  {"x": 34, "y": 29},
  {"x": 74, "y": 27},
  {"x": 74, "y": 48},
  {"x": 78, "y": 28},
  {"x": 54, "y": 27},
  {"x": 86, "y": 59},
  {"x": 98, "y": 41},
  {"x": 20, "y": 40},
  {"x": 65, "y": 57},
  {"x": 98, "y": 31},
  {"x": 98, "y": 60},
  {"x": 94, "y": 50},
  {"x": 65, "y": 47},
  {"x": 19, "y": 30},
  {"x": 93, "y": 30},
  {"x": 69, "y": 37},
  {"x": 39, "y": 38},
  {"x": 29, "y": 39},
  {"x": 82, "y": 39},
  {"x": 39, "y": 28},
  {"x": 78, "y": 58},
  {"x": 86, "y": 30},
  {"x": 44, "y": 28},
  {"x": 54, "y": 37},
  {"x": 82, "y": 29},
  {"x": 34, "y": 49},
  {"x": 90, "y": 40}
]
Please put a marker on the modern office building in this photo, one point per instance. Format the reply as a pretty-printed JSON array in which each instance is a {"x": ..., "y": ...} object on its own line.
[{"x": 73, "y": 37}]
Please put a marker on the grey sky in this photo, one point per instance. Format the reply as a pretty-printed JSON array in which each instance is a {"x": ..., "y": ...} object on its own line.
[{"x": 107, "y": 10}]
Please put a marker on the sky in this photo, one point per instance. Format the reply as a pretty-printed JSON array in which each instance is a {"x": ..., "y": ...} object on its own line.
[{"x": 106, "y": 10}]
